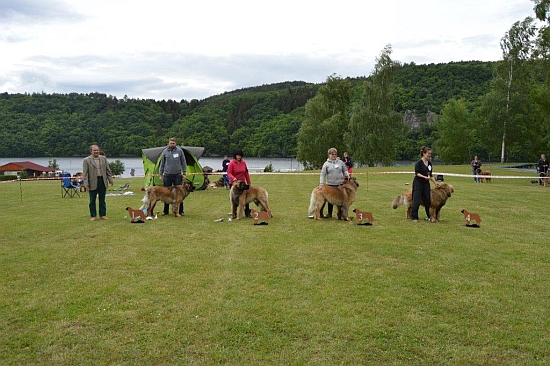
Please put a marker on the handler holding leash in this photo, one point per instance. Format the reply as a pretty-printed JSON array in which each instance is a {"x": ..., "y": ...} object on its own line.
[
  {"x": 335, "y": 172},
  {"x": 173, "y": 167},
  {"x": 238, "y": 170},
  {"x": 421, "y": 192}
]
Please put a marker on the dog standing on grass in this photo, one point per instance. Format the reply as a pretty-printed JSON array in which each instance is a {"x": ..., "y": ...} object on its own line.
[
  {"x": 484, "y": 174},
  {"x": 242, "y": 194},
  {"x": 439, "y": 196},
  {"x": 169, "y": 195},
  {"x": 341, "y": 196}
]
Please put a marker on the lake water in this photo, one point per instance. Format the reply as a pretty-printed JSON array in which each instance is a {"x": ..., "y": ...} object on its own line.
[{"x": 74, "y": 165}]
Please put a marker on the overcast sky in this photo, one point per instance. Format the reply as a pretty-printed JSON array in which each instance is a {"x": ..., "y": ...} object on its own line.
[{"x": 184, "y": 49}]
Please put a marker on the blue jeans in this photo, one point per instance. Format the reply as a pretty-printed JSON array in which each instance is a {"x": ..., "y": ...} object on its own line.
[
  {"x": 172, "y": 180},
  {"x": 101, "y": 190}
]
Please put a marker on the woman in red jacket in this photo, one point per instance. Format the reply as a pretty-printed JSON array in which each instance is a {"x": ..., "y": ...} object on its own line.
[{"x": 238, "y": 170}]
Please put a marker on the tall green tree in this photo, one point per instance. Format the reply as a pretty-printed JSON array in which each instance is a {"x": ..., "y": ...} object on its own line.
[
  {"x": 325, "y": 122},
  {"x": 517, "y": 46},
  {"x": 541, "y": 93},
  {"x": 456, "y": 134},
  {"x": 375, "y": 127}
]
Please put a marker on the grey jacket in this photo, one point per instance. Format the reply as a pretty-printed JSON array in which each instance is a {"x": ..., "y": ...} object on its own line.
[
  {"x": 334, "y": 171},
  {"x": 172, "y": 161}
]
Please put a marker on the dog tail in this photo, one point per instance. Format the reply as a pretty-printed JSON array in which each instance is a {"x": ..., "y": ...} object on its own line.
[
  {"x": 398, "y": 201},
  {"x": 311, "y": 204},
  {"x": 145, "y": 199}
]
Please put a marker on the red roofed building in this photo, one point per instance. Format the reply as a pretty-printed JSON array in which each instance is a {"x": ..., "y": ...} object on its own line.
[{"x": 32, "y": 169}]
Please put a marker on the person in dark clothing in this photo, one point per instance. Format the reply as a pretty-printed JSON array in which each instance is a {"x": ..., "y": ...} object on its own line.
[
  {"x": 423, "y": 174},
  {"x": 543, "y": 167},
  {"x": 349, "y": 163},
  {"x": 476, "y": 165},
  {"x": 225, "y": 164}
]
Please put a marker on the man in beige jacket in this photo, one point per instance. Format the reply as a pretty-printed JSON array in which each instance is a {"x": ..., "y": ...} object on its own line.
[{"x": 97, "y": 176}]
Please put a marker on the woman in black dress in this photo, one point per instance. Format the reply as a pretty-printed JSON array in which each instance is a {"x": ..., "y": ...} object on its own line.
[{"x": 423, "y": 174}]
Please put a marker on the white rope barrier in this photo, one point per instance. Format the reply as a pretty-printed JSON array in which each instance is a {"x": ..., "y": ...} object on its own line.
[{"x": 317, "y": 173}]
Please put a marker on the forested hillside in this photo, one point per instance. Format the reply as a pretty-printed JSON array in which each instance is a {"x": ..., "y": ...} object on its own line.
[{"x": 263, "y": 120}]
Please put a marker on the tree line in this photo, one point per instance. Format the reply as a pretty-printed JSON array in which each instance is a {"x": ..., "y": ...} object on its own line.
[{"x": 263, "y": 120}]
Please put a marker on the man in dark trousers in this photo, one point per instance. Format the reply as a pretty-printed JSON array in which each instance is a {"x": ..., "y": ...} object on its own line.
[{"x": 173, "y": 167}]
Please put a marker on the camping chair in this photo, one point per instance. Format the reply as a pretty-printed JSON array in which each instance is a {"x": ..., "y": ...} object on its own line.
[
  {"x": 123, "y": 187},
  {"x": 67, "y": 186}
]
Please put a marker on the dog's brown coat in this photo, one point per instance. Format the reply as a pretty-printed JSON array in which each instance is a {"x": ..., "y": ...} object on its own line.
[
  {"x": 239, "y": 197},
  {"x": 439, "y": 196},
  {"x": 169, "y": 195},
  {"x": 342, "y": 197},
  {"x": 484, "y": 174}
]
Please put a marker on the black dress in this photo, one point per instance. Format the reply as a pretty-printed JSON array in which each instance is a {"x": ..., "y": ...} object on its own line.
[{"x": 421, "y": 189}]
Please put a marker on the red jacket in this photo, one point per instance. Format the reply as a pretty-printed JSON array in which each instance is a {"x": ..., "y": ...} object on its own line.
[{"x": 238, "y": 170}]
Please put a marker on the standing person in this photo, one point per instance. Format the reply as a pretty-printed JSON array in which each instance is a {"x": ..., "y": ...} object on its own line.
[
  {"x": 348, "y": 162},
  {"x": 225, "y": 165},
  {"x": 97, "y": 176},
  {"x": 173, "y": 167},
  {"x": 334, "y": 171},
  {"x": 543, "y": 167},
  {"x": 476, "y": 165},
  {"x": 423, "y": 174},
  {"x": 238, "y": 170}
]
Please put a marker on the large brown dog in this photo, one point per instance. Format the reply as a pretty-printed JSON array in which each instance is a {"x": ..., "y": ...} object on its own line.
[
  {"x": 242, "y": 194},
  {"x": 439, "y": 196},
  {"x": 341, "y": 196},
  {"x": 169, "y": 195},
  {"x": 484, "y": 174}
]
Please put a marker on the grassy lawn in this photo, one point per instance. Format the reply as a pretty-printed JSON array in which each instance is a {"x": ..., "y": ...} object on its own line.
[{"x": 190, "y": 290}]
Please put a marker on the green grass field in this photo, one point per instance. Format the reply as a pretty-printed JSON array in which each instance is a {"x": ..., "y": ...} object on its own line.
[{"x": 178, "y": 291}]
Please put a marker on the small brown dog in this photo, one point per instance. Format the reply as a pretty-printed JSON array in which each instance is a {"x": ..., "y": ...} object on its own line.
[
  {"x": 136, "y": 215},
  {"x": 469, "y": 216},
  {"x": 362, "y": 215},
  {"x": 257, "y": 215}
]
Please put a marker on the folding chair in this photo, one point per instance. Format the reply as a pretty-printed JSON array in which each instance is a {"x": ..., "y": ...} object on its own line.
[
  {"x": 123, "y": 188},
  {"x": 67, "y": 187}
]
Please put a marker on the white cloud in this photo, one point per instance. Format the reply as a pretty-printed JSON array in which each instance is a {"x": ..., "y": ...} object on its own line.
[{"x": 184, "y": 50}]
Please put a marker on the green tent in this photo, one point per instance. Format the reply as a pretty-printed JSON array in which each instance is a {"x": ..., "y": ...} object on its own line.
[{"x": 151, "y": 164}]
